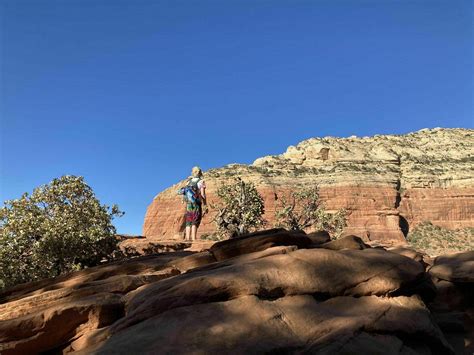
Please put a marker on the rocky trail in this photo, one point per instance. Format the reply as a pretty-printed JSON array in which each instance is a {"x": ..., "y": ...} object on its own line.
[{"x": 268, "y": 292}]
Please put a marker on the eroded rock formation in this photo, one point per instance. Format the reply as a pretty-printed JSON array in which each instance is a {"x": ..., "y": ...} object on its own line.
[
  {"x": 389, "y": 183},
  {"x": 272, "y": 291}
]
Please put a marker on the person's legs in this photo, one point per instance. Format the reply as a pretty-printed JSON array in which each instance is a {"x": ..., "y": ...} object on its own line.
[
  {"x": 193, "y": 232},
  {"x": 189, "y": 217},
  {"x": 196, "y": 220}
]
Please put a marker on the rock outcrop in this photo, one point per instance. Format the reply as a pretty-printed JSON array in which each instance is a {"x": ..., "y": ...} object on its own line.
[
  {"x": 388, "y": 183},
  {"x": 268, "y": 292},
  {"x": 453, "y": 306}
]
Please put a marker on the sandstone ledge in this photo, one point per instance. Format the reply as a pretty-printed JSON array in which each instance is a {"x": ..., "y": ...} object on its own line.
[{"x": 255, "y": 294}]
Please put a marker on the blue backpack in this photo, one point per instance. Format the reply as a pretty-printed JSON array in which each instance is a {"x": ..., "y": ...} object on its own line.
[{"x": 190, "y": 192}]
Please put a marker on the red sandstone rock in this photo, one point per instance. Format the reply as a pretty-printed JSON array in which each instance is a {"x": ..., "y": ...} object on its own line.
[
  {"x": 319, "y": 237},
  {"x": 143, "y": 246},
  {"x": 278, "y": 299},
  {"x": 292, "y": 324},
  {"x": 347, "y": 242},
  {"x": 388, "y": 184},
  {"x": 450, "y": 208},
  {"x": 372, "y": 211},
  {"x": 258, "y": 241},
  {"x": 453, "y": 306},
  {"x": 458, "y": 267},
  {"x": 193, "y": 261}
]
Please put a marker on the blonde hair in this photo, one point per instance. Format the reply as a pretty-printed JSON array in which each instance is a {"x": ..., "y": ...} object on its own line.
[{"x": 196, "y": 171}]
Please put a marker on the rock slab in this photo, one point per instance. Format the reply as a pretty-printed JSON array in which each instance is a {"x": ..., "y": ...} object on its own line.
[{"x": 270, "y": 292}]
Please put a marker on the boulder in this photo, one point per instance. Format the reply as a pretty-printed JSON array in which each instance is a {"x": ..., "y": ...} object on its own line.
[
  {"x": 193, "y": 261},
  {"x": 136, "y": 266},
  {"x": 45, "y": 329},
  {"x": 347, "y": 242},
  {"x": 453, "y": 307},
  {"x": 457, "y": 267},
  {"x": 258, "y": 241},
  {"x": 143, "y": 246},
  {"x": 453, "y": 276},
  {"x": 409, "y": 253},
  {"x": 319, "y": 237},
  {"x": 42, "y": 316}
]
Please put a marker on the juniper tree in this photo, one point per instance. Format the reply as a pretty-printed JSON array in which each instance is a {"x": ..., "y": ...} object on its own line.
[
  {"x": 303, "y": 208},
  {"x": 59, "y": 228},
  {"x": 240, "y": 208}
]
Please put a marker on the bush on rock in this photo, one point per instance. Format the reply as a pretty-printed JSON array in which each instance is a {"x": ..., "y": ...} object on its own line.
[
  {"x": 303, "y": 208},
  {"x": 240, "y": 209}
]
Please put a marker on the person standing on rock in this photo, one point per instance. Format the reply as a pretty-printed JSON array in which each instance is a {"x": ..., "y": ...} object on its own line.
[{"x": 194, "y": 195}]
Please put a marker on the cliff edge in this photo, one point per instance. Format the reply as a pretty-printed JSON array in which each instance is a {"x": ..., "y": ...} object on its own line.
[{"x": 388, "y": 183}]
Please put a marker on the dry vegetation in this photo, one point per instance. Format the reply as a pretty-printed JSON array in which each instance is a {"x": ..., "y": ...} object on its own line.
[{"x": 435, "y": 240}]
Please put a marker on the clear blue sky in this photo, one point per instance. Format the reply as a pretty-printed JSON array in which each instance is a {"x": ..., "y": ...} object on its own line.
[{"x": 132, "y": 93}]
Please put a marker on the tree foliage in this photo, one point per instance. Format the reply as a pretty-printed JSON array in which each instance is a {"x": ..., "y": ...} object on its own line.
[
  {"x": 302, "y": 208},
  {"x": 334, "y": 223},
  {"x": 240, "y": 209},
  {"x": 59, "y": 228}
]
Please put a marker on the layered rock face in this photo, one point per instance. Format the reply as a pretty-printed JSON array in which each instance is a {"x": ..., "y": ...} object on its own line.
[
  {"x": 270, "y": 292},
  {"x": 388, "y": 183}
]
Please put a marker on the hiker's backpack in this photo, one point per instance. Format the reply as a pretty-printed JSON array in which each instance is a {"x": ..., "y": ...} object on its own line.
[{"x": 191, "y": 191}]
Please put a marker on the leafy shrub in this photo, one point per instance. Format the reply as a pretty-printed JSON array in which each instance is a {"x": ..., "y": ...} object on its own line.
[
  {"x": 240, "y": 209},
  {"x": 333, "y": 223},
  {"x": 60, "y": 227},
  {"x": 435, "y": 240},
  {"x": 303, "y": 208}
]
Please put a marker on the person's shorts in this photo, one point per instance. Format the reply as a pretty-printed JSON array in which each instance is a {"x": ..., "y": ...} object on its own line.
[{"x": 193, "y": 214}]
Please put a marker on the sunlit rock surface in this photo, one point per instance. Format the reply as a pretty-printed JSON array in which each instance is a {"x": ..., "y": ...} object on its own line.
[
  {"x": 267, "y": 292},
  {"x": 388, "y": 183}
]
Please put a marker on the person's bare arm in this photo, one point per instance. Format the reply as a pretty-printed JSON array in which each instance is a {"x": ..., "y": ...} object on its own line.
[
  {"x": 203, "y": 195},
  {"x": 204, "y": 201}
]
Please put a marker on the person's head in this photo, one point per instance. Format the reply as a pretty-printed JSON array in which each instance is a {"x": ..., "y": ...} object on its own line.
[{"x": 196, "y": 172}]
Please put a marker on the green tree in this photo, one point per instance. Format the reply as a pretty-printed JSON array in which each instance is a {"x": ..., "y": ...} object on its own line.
[
  {"x": 302, "y": 208},
  {"x": 333, "y": 223},
  {"x": 240, "y": 209},
  {"x": 60, "y": 227}
]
